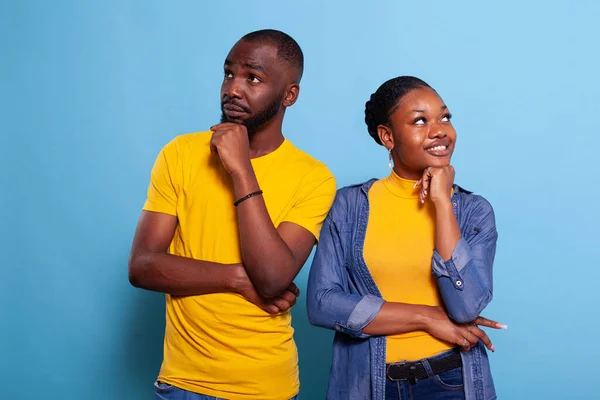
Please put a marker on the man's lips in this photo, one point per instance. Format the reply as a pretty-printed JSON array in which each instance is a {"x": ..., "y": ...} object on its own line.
[{"x": 234, "y": 110}]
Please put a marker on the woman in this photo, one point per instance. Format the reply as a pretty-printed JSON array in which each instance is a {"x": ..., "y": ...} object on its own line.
[{"x": 404, "y": 265}]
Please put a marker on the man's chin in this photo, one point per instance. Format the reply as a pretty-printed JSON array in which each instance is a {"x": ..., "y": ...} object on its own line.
[{"x": 236, "y": 120}]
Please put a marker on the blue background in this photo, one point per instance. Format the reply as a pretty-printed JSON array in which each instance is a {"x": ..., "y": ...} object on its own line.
[{"x": 90, "y": 92}]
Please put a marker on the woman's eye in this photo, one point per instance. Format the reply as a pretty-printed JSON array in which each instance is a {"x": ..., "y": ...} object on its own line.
[{"x": 447, "y": 118}]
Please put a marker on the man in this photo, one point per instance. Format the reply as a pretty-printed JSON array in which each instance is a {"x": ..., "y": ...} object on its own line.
[{"x": 231, "y": 216}]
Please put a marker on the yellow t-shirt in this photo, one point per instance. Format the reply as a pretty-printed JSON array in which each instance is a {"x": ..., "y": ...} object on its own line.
[
  {"x": 221, "y": 344},
  {"x": 398, "y": 251}
]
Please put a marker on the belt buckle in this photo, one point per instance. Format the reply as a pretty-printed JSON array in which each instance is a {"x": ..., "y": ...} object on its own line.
[{"x": 399, "y": 363}]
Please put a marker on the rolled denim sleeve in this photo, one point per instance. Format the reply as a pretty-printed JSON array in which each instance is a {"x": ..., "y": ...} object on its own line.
[
  {"x": 465, "y": 280},
  {"x": 330, "y": 303}
]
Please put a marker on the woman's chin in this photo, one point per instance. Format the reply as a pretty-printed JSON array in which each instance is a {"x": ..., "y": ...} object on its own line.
[{"x": 438, "y": 162}]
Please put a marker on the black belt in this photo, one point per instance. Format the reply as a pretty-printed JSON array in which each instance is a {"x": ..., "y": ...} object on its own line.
[{"x": 415, "y": 370}]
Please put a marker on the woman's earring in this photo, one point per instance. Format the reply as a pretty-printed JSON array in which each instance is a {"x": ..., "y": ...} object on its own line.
[{"x": 390, "y": 165}]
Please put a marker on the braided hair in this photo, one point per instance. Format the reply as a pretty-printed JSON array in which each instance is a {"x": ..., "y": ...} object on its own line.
[{"x": 384, "y": 101}]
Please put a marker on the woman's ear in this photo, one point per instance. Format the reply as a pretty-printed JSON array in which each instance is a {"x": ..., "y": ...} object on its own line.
[{"x": 385, "y": 136}]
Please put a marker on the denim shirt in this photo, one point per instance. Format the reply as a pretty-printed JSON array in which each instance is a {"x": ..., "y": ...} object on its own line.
[{"x": 343, "y": 296}]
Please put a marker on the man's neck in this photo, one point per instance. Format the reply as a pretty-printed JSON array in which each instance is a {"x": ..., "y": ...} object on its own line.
[{"x": 266, "y": 139}]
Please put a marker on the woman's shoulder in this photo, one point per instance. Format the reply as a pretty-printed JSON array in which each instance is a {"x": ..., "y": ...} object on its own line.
[
  {"x": 355, "y": 188},
  {"x": 352, "y": 192},
  {"x": 348, "y": 197},
  {"x": 474, "y": 204}
]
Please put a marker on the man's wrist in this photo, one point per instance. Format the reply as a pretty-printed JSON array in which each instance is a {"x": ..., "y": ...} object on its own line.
[
  {"x": 244, "y": 173},
  {"x": 244, "y": 181}
]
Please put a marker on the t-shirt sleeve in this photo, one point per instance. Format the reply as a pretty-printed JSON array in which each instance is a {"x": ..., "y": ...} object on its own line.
[
  {"x": 315, "y": 199},
  {"x": 164, "y": 183}
]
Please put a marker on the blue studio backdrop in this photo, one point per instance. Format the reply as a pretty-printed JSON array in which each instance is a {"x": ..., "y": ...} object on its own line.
[{"x": 90, "y": 91}]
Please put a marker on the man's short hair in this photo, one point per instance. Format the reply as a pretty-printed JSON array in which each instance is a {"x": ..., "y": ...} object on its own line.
[{"x": 287, "y": 48}]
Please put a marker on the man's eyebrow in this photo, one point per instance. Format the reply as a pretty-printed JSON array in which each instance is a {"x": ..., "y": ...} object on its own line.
[{"x": 255, "y": 67}]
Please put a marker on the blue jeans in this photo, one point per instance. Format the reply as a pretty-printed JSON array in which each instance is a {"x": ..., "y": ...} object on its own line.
[
  {"x": 444, "y": 386},
  {"x": 164, "y": 391}
]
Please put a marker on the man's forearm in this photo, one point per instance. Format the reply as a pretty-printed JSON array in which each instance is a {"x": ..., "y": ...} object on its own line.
[
  {"x": 181, "y": 276},
  {"x": 268, "y": 260}
]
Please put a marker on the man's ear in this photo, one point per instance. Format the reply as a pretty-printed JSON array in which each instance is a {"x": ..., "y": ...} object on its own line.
[{"x": 291, "y": 94}]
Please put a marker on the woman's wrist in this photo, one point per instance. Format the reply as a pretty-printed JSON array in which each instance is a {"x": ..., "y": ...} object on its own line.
[
  {"x": 443, "y": 205},
  {"x": 426, "y": 317}
]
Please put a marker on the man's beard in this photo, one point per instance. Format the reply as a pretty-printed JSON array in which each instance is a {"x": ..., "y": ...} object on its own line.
[{"x": 253, "y": 123}]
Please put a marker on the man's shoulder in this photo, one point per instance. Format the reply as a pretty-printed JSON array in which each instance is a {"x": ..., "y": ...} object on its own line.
[
  {"x": 304, "y": 161},
  {"x": 193, "y": 139},
  {"x": 184, "y": 145}
]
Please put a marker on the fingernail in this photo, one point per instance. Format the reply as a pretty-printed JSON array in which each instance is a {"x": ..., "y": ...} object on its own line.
[
  {"x": 493, "y": 349},
  {"x": 416, "y": 184},
  {"x": 503, "y": 327}
]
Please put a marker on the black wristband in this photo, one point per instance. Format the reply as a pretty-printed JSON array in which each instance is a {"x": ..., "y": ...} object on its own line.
[{"x": 246, "y": 197}]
